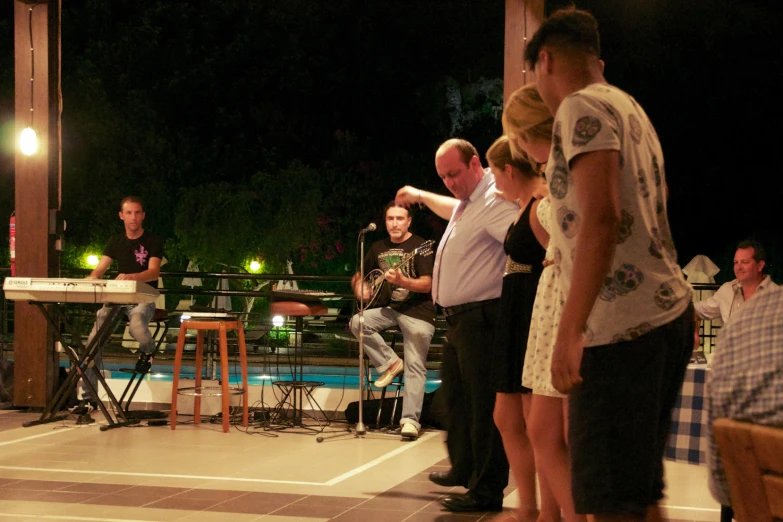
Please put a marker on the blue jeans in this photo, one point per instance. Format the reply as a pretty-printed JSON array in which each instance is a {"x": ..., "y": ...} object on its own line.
[
  {"x": 139, "y": 317},
  {"x": 416, "y": 336}
]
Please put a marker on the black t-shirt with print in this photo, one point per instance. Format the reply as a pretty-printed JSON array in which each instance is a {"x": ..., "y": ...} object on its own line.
[
  {"x": 133, "y": 255},
  {"x": 384, "y": 255}
]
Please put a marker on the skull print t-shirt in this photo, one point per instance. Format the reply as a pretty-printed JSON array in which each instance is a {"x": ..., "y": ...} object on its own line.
[
  {"x": 645, "y": 287},
  {"x": 133, "y": 255}
]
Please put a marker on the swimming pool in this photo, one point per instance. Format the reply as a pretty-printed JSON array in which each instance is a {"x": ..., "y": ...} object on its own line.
[{"x": 331, "y": 376}]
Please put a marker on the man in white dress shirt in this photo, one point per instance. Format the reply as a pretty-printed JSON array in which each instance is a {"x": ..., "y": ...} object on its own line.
[
  {"x": 749, "y": 263},
  {"x": 466, "y": 284}
]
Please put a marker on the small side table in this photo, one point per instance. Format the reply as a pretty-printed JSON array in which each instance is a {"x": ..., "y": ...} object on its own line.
[
  {"x": 297, "y": 389},
  {"x": 222, "y": 326}
]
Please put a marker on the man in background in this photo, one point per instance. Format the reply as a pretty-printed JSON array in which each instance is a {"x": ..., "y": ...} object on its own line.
[
  {"x": 403, "y": 301},
  {"x": 749, "y": 264},
  {"x": 745, "y": 382},
  {"x": 138, "y": 254}
]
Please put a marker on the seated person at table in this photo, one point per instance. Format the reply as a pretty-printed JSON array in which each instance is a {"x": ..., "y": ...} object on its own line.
[
  {"x": 404, "y": 301},
  {"x": 749, "y": 262},
  {"x": 746, "y": 379},
  {"x": 138, "y": 254}
]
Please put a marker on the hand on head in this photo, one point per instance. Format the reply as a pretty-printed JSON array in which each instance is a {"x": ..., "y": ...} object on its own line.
[{"x": 407, "y": 196}]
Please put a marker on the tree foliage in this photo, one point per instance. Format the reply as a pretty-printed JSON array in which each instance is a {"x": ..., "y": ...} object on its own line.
[
  {"x": 167, "y": 98},
  {"x": 257, "y": 129}
]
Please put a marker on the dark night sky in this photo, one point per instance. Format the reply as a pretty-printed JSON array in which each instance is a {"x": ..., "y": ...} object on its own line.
[{"x": 706, "y": 72}]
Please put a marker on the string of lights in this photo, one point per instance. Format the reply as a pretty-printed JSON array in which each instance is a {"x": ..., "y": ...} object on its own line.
[
  {"x": 524, "y": 41},
  {"x": 28, "y": 140}
]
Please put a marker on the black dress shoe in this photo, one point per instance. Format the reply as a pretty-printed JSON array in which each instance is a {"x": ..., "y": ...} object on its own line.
[
  {"x": 444, "y": 478},
  {"x": 468, "y": 504}
]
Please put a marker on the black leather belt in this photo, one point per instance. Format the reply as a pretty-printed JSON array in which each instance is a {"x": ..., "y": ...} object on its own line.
[{"x": 448, "y": 311}]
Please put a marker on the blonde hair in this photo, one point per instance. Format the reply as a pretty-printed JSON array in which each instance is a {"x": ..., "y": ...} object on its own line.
[
  {"x": 526, "y": 115},
  {"x": 500, "y": 154}
]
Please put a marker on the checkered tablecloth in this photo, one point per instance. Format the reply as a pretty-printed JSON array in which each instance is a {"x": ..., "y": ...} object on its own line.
[{"x": 688, "y": 434}]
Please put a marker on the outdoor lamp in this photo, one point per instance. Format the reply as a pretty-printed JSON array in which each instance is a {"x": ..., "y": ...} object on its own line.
[
  {"x": 92, "y": 260},
  {"x": 255, "y": 266},
  {"x": 277, "y": 321},
  {"x": 28, "y": 142}
]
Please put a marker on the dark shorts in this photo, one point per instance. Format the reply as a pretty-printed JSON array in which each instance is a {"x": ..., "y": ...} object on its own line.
[{"x": 619, "y": 418}]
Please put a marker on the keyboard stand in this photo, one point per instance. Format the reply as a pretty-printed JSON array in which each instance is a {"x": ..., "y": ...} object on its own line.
[
  {"x": 160, "y": 318},
  {"x": 81, "y": 358}
]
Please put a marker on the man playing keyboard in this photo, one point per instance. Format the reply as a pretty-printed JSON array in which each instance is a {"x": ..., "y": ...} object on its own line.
[{"x": 138, "y": 254}]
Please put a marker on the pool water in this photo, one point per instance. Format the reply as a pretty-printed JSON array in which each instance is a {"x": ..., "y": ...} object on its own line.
[{"x": 332, "y": 376}]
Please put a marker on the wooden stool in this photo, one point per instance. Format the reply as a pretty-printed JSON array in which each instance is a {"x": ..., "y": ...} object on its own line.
[
  {"x": 298, "y": 389},
  {"x": 222, "y": 327}
]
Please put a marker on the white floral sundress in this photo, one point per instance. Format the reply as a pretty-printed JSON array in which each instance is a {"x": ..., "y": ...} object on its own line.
[{"x": 547, "y": 310}]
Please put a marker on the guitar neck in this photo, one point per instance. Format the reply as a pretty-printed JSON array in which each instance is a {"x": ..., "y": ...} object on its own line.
[{"x": 423, "y": 249}]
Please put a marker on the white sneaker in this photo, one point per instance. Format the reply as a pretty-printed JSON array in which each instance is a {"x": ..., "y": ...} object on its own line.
[
  {"x": 84, "y": 407},
  {"x": 409, "y": 432},
  {"x": 388, "y": 376}
]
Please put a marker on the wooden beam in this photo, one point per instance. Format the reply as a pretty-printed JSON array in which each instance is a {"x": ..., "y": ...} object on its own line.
[
  {"x": 37, "y": 191},
  {"x": 523, "y": 18}
]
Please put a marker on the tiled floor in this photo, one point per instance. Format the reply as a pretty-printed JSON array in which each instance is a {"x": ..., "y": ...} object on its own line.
[{"x": 61, "y": 471}]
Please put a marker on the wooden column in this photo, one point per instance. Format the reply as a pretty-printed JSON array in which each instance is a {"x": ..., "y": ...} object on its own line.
[
  {"x": 37, "y": 191},
  {"x": 523, "y": 18}
]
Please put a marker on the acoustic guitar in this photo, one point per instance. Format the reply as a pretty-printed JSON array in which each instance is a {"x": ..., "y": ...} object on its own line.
[{"x": 375, "y": 279}]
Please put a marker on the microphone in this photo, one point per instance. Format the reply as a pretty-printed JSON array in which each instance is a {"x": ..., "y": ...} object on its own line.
[{"x": 369, "y": 228}]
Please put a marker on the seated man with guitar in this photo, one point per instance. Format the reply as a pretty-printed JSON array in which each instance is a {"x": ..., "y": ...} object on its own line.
[{"x": 397, "y": 293}]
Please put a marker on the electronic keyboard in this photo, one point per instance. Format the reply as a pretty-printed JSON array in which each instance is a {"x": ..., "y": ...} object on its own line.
[
  {"x": 302, "y": 296},
  {"x": 64, "y": 290}
]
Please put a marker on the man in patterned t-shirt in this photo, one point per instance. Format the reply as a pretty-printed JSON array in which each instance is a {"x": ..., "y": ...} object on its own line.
[
  {"x": 138, "y": 254},
  {"x": 404, "y": 301},
  {"x": 626, "y": 331}
]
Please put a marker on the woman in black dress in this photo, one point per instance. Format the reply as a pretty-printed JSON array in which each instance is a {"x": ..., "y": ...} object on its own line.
[{"x": 520, "y": 181}]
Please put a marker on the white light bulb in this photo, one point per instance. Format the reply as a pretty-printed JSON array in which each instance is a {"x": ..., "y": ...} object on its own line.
[
  {"x": 277, "y": 321},
  {"x": 255, "y": 266},
  {"x": 92, "y": 260},
  {"x": 28, "y": 142}
]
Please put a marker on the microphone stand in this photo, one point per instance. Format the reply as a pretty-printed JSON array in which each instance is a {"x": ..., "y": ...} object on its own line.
[{"x": 360, "y": 428}]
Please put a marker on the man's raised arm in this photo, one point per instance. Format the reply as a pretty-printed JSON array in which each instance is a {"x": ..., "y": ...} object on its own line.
[{"x": 442, "y": 206}]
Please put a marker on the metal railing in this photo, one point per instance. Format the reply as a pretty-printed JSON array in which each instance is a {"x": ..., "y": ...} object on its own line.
[
  {"x": 326, "y": 339},
  {"x": 250, "y": 302}
]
